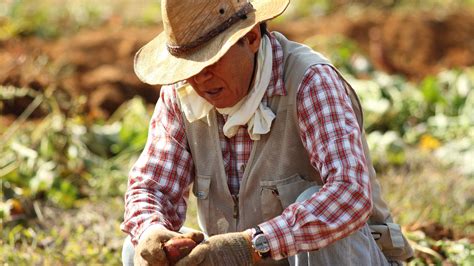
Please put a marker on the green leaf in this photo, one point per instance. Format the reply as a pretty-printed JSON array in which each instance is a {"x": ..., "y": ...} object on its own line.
[{"x": 431, "y": 90}]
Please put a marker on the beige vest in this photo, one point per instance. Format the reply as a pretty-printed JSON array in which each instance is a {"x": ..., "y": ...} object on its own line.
[{"x": 278, "y": 169}]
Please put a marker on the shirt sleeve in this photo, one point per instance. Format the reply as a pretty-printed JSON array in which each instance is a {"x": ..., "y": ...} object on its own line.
[
  {"x": 331, "y": 135},
  {"x": 158, "y": 183}
]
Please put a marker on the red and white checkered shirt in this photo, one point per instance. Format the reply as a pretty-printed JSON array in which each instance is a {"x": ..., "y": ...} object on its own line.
[{"x": 159, "y": 181}]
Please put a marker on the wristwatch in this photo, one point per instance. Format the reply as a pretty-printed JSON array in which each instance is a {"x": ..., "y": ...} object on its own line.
[{"x": 260, "y": 243}]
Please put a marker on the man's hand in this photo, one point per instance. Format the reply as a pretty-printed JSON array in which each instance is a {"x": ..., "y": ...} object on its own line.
[
  {"x": 227, "y": 249},
  {"x": 150, "y": 249}
]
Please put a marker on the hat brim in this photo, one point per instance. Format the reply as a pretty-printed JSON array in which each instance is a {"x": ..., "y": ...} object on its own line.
[{"x": 155, "y": 65}]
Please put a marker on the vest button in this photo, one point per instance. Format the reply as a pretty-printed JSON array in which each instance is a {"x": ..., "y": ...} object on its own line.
[{"x": 201, "y": 195}]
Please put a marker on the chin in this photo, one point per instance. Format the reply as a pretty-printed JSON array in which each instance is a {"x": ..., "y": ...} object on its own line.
[{"x": 221, "y": 105}]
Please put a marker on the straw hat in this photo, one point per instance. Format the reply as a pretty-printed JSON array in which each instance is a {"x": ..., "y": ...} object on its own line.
[{"x": 197, "y": 33}]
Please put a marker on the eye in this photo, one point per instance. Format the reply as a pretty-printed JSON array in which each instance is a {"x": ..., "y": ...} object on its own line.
[{"x": 222, "y": 11}]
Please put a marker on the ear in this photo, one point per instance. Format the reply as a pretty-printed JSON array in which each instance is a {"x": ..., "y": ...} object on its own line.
[{"x": 253, "y": 38}]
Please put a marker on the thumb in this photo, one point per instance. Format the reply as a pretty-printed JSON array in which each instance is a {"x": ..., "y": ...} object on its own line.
[
  {"x": 196, "y": 236},
  {"x": 196, "y": 257}
]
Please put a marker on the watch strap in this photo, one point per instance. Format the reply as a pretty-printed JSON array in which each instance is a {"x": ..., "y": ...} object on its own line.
[{"x": 259, "y": 231}]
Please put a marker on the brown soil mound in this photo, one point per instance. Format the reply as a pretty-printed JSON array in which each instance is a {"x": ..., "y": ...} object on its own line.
[
  {"x": 413, "y": 44},
  {"x": 99, "y": 63},
  {"x": 96, "y": 63}
]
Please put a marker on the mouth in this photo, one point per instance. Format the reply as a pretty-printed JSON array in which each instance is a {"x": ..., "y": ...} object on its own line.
[{"x": 214, "y": 92}]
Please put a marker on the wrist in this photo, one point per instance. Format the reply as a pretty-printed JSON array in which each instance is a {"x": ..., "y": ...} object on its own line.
[
  {"x": 260, "y": 243},
  {"x": 255, "y": 255},
  {"x": 149, "y": 230}
]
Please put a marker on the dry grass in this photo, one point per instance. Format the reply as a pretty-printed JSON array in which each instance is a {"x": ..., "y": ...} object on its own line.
[{"x": 424, "y": 192}]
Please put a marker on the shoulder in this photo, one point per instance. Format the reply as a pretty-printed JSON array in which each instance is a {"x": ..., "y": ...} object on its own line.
[
  {"x": 321, "y": 75},
  {"x": 168, "y": 93},
  {"x": 168, "y": 101}
]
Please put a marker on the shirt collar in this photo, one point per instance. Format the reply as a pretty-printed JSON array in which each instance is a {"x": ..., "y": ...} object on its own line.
[{"x": 277, "y": 84}]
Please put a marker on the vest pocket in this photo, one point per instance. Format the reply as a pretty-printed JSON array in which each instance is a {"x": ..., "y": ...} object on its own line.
[
  {"x": 269, "y": 200},
  {"x": 390, "y": 239},
  {"x": 276, "y": 195}
]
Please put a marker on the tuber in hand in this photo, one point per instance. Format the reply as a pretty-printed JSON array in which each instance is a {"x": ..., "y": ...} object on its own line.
[
  {"x": 179, "y": 247},
  {"x": 151, "y": 250}
]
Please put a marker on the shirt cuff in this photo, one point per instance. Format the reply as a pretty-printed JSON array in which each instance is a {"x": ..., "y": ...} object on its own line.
[{"x": 280, "y": 237}]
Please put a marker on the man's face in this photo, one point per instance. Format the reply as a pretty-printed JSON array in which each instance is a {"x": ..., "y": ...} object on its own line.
[{"x": 226, "y": 82}]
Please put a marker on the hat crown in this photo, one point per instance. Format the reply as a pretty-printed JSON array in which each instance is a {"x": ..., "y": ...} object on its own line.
[{"x": 185, "y": 21}]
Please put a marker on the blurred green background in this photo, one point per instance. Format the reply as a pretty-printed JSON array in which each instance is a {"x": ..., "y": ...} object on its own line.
[{"x": 74, "y": 118}]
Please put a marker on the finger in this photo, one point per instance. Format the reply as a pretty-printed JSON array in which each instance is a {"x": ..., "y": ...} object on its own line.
[
  {"x": 196, "y": 236},
  {"x": 138, "y": 260},
  {"x": 159, "y": 235},
  {"x": 151, "y": 250},
  {"x": 167, "y": 235},
  {"x": 154, "y": 255},
  {"x": 196, "y": 257}
]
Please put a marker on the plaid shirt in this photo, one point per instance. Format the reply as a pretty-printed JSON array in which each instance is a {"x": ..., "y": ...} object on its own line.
[{"x": 159, "y": 181}]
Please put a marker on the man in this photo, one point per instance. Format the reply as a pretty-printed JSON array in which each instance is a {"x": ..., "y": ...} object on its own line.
[{"x": 271, "y": 137}]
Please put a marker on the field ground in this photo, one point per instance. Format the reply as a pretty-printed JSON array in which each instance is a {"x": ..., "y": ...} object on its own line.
[
  {"x": 417, "y": 193},
  {"x": 85, "y": 77}
]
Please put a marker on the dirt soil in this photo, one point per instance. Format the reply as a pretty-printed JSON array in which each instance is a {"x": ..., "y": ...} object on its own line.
[
  {"x": 98, "y": 63},
  {"x": 413, "y": 44}
]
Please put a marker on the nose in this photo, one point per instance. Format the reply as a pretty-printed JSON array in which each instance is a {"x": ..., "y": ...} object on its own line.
[{"x": 203, "y": 76}]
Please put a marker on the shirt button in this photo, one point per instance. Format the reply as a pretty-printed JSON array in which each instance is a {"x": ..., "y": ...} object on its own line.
[{"x": 242, "y": 167}]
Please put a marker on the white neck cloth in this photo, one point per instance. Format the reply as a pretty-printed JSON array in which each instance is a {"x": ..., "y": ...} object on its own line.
[{"x": 250, "y": 110}]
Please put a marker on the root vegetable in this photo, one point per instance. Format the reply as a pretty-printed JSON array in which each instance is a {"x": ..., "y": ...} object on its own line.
[{"x": 177, "y": 248}]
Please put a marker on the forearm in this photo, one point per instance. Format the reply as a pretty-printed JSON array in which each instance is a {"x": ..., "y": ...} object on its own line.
[
  {"x": 145, "y": 208},
  {"x": 159, "y": 180},
  {"x": 341, "y": 207},
  {"x": 319, "y": 221},
  {"x": 155, "y": 194}
]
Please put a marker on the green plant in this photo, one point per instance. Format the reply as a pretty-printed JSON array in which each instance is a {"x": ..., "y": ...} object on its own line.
[
  {"x": 52, "y": 18},
  {"x": 60, "y": 157},
  {"x": 436, "y": 114}
]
